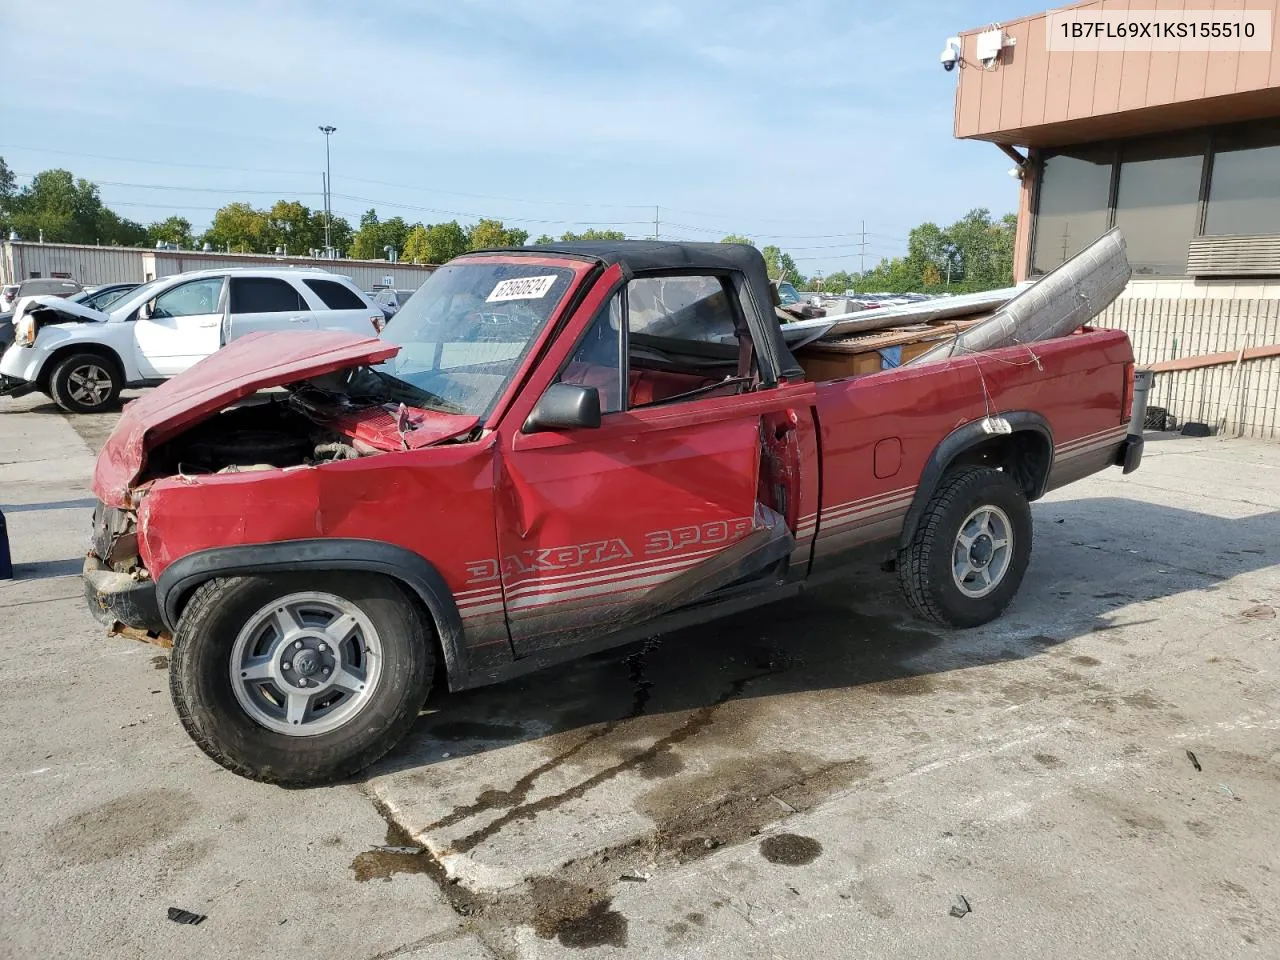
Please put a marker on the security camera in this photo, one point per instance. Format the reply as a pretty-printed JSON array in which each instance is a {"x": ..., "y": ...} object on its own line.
[{"x": 950, "y": 55}]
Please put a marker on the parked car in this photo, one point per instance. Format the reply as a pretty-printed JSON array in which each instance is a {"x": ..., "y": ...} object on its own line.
[
  {"x": 84, "y": 357},
  {"x": 391, "y": 300},
  {"x": 101, "y": 297},
  {"x": 37, "y": 287},
  {"x": 97, "y": 298},
  {"x": 790, "y": 300},
  {"x": 548, "y": 453}
]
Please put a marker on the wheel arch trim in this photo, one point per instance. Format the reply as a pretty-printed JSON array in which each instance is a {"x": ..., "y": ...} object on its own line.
[
  {"x": 64, "y": 351},
  {"x": 176, "y": 583},
  {"x": 965, "y": 438}
]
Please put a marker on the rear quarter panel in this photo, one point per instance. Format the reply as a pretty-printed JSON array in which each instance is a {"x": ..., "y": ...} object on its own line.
[{"x": 879, "y": 431}]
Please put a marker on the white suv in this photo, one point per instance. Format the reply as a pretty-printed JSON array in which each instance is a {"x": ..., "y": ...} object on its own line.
[{"x": 83, "y": 358}]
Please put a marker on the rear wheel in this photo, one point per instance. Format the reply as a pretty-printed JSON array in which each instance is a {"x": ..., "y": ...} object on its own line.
[
  {"x": 970, "y": 550},
  {"x": 85, "y": 383},
  {"x": 300, "y": 680}
]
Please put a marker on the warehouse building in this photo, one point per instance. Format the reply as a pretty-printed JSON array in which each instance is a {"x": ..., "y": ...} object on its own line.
[
  {"x": 89, "y": 265},
  {"x": 1180, "y": 148}
]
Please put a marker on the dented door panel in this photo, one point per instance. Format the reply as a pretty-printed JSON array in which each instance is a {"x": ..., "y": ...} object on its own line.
[{"x": 600, "y": 529}]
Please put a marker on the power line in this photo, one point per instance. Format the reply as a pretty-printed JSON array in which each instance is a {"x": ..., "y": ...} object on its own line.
[
  {"x": 309, "y": 173},
  {"x": 313, "y": 193},
  {"x": 215, "y": 190},
  {"x": 490, "y": 216},
  {"x": 735, "y": 218}
]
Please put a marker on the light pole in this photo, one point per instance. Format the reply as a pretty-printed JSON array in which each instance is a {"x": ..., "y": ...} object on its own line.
[{"x": 327, "y": 130}]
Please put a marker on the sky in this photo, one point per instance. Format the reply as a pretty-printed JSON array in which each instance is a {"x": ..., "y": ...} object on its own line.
[{"x": 792, "y": 123}]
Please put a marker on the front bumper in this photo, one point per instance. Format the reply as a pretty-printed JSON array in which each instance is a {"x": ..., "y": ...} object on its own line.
[
  {"x": 13, "y": 387},
  {"x": 117, "y": 598},
  {"x": 20, "y": 362},
  {"x": 1129, "y": 453}
]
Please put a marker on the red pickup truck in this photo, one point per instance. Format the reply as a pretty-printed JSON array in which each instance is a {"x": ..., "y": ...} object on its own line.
[{"x": 550, "y": 451}]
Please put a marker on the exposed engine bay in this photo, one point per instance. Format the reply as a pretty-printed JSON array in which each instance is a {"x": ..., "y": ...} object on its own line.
[{"x": 334, "y": 417}]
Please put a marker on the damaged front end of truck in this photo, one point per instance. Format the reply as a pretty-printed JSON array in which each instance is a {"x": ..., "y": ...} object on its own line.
[{"x": 229, "y": 453}]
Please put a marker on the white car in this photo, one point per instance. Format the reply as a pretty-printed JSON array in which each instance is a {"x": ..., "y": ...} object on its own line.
[{"x": 83, "y": 358}]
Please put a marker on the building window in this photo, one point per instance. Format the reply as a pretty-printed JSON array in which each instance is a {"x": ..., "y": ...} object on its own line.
[
  {"x": 1157, "y": 203},
  {"x": 1244, "y": 190},
  {"x": 1075, "y": 190}
]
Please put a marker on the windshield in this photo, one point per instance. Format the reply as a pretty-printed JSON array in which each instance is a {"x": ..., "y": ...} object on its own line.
[
  {"x": 99, "y": 299},
  {"x": 465, "y": 331},
  {"x": 137, "y": 296},
  {"x": 787, "y": 293}
]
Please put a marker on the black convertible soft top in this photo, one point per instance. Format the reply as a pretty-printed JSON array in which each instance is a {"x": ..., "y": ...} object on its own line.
[{"x": 651, "y": 256}]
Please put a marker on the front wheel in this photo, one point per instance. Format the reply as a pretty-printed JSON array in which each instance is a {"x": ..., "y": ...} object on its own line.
[
  {"x": 300, "y": 680},
  {"x": 85, "y": 383},
  {"x": 970, "y": 550}
]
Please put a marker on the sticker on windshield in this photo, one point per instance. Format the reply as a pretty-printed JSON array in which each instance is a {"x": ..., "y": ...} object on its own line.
[{"x": 521, "y": 288}]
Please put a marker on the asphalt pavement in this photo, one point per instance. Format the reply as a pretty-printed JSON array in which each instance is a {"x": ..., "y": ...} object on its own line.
[{"x": 1093, "y": 775}]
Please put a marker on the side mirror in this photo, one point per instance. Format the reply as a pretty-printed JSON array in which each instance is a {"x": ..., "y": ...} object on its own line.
[
  {"x": 563, "y": 407},
  {"x": 144, "y": 311}
]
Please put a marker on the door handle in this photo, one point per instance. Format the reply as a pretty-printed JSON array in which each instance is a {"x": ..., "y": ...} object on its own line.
[
  {"x": 209, "y": 323},
  {"x": 299, "y": 319}
]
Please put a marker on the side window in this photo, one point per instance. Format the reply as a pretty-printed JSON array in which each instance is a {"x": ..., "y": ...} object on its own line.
[
  {"x": 683, "y": 308},
  {"x": 681, "y": 344},
  {"x": 197, "y": 298},
  {"x": 336, "y": 296},
  {"x": 264, "y": 295},
  {"x": 596, "y": 361}
]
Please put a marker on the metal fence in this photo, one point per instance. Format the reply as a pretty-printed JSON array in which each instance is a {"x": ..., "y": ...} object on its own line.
[{"x": 1244, "y": 396}]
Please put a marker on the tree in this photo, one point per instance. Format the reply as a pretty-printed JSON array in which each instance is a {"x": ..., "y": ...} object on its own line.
[
  {"x": 340, "y": 233},
  {"x": 545, "y": 238},
  {"x": 972, "y": 254},
  {"x": 290, "y": 225},
  {"x": 738, "y": 238},
  {"x": 374, "y": 236},
  {"x": 66, "y": 210},
  {"x": 928, "y": 246},
  {"x": 837, "y": 282},
  {"x": 116, "y": 230},
  {"x": 435, "y": 243},
  {"x": 781, "y": 266},
  {"x": 170, "y": 230},
  {"x": 488, "y": 234},
  {"x": 238, "y": 227},
  {"x": 594, "y": 234},
  {"x": 8, "y": 186}
]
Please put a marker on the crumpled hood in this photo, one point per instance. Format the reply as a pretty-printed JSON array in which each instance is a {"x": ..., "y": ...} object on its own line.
[
  {"x": 247, "y": 365},
  {"x": 49, "y": 309}
]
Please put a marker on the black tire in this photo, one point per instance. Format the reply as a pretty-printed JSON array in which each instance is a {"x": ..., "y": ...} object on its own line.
[
  {"x": 73, "y": 396},
  {"x": 925, "y": 568},
  {"x": 201, "y": 686}
]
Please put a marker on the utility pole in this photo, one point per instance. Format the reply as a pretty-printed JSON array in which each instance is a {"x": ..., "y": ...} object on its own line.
[
  {"x": 328, "y": 130},
  {"x": 862, "y": 255},
  {"x": 655, "y": 221},
  {"x": 1066, "y": 238}
]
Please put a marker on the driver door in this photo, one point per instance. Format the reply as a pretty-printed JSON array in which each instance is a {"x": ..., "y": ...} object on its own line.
[
  {"x": 660, "y": 505},
  {"x": 179, "y": 327}
]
